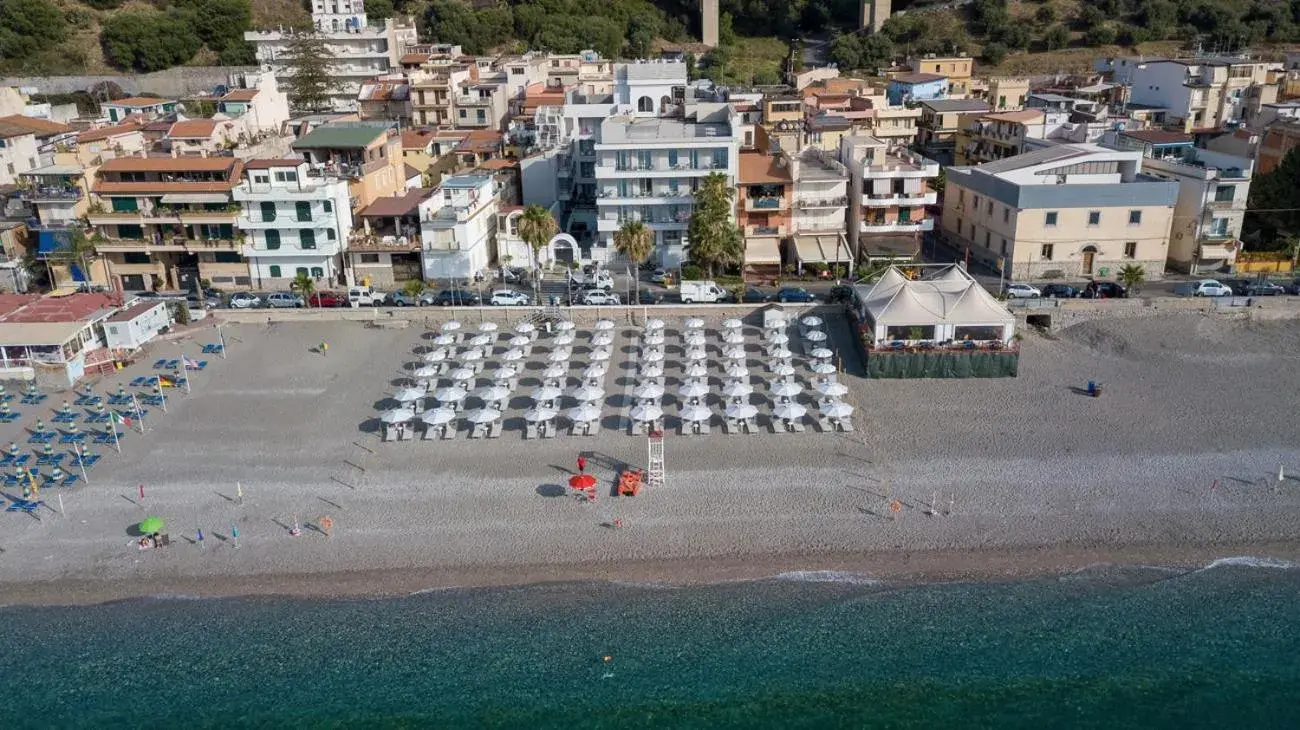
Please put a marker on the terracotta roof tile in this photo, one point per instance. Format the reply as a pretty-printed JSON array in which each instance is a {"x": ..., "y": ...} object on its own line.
[
  {"x": 192, "y": 129},
  {"x": 94, "y": 135},
  {"x": 139, "y": 102},
  {"x": 756, "y": 167},
  {"x": 241, "y": 95},
  {"x": 39, "y": 127},
  {"x": 268, "y": 163}
]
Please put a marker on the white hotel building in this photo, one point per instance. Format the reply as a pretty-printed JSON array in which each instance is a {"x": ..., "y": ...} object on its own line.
[
  {"x": 291, "y": 223},
  {"x": 458, "y": 226}
]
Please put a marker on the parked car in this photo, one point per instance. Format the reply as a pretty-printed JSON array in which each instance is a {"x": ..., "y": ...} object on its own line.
[
  {"x": 244, "y": 300},
  {"x": 1264, "y": 289},
  {"x": 840, "y": 293},
  {"x": 401, "y": 299},
  {"x": 1058, "y": 291},
  {"x": 796, "y": 294},
  {"x": 364, "y": 296},
  {"x": 1022, "y": 291},
  {"x": 1103, "y": 290},
  {"x": 650, "y": 296},
  {"x": 509, "y": 298},
  {"x": 209, "y": 299},
  {"x": 598, "y": 297},
  {"x": 328, "y": 299},
  {"x": 283, "y": 300},
  {"x": 1209, "y": 288},
  {"x": 754, "y": 295},
  {"x": 1294, "y": 288},
  {"x": 511, "y": 275},
  {"x": 456, "y": 298},
  {"x": 1238, "y": 286},
  {"x": 658, "y": 275}
]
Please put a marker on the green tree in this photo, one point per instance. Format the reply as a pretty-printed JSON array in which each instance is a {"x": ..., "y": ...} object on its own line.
[
  {"x": 148, "y": 40},
  {"x": 379, "y": 9},
  {"x": 993, "y": 53},
  {"x": 537, "y": 226},
  {"x": 304, "y": 286},
  {"x": 29, "y": 26},
  {"x": 1046, "y": 14},
  {"x": 1131, "y": 275},
  {"x": 940, "y": 182},
  {"x": 1274, "y": 206},
  {"x": 714, "y": 240},
  {"x": 219, "y": 23},
  {"x": 635, "y": 241},
  {"x": 415, "y": 287},
  {"x": 1057, "y": 37},
  {"x": 1102, "y": 35},
  {"x": 311, "y": 83}
]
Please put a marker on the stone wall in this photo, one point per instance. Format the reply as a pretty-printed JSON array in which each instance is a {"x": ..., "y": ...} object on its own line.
[{"x": 172, "y": 82}]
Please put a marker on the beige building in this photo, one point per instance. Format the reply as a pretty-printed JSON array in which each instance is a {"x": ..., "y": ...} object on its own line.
[
  {"x": 1073, "y": 211},
  {"x": 201, "y": 137},
  {"x": 941, "y": 120},
  {"x": 1198, "y": 93},
  {"x": 433, "y": 92},
  {"x": 1003, "y": 93},
  {"x": 958, "y": 69},
  {"x": 890, "y": 189},
  {"x": 1000, "y": 135},
  {"x": 368, "y": 154}
]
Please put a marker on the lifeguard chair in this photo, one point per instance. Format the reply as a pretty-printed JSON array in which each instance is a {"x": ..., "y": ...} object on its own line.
[{"x": 629, "y": 483}]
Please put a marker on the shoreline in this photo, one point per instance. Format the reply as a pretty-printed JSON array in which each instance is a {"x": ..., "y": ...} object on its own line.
[{"x": 921, "y": 566}]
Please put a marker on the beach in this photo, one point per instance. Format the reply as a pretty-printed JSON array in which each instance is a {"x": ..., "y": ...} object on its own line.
[{"x": 1176, "y": 464}]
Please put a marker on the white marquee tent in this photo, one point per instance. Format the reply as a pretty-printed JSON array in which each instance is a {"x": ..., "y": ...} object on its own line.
[{"x": 947, "y": 307}]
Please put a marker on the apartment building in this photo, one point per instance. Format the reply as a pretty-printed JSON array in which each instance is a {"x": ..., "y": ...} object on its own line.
[
  {"x": 821, "y": 190},
  {"x": 19, "y": 152},
  {"x": 765, "y": 189},
  {"x": 201, "y": 137},
  {"x": 292, "y": 222},
  {"x": 481, "y": 105},
  {"x": 367, "y": 154},
  {"x": 648, "y": 168},
  {"x": 257, "y": 101},
  {"x": 357, "y": 49},
  {"x": 385, "y": 246},
  {"x": 941, "y": 120},
  {"x": 145, "y": 107},
  {"x": 434, "y": 90},
  {"x": 458, "y": 227},
  {"x": 890, "y": 189},
  {"x": 387, "y": 98},
  {"x": 916, "y": 87},
  {"x": 783, "y": 121},
  {"x": 53, "y": 199},
  {"x": 1199, "y": 93},
  {"x": 1003, "y": 93},
  {"x": 164, "y": 223},
  {"x": 1000, "y": 135},
  {"x": 957, "y": 69},
  {"x": 874, "y": 116},
  {"x": 1069, "y": 211}
]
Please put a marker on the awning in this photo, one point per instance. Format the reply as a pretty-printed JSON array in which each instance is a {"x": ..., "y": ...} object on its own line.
[
  {"x": 195, "y": 198},
  {"x": 764, "y": 250},
  {"x": 825, "y": 249}
]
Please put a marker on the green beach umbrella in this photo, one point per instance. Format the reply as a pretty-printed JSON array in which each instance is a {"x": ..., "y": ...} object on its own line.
[{"x": 150, "y": 525}]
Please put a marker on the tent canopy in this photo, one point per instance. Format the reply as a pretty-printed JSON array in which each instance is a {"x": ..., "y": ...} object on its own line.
[{"x": 952, "y": 298}]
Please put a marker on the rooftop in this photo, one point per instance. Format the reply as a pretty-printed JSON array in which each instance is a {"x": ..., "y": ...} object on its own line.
[
  {"x": 758, "y": 168},
  {"x": 268, "y": 163},
  {"x": 416, "y": 139},
  {"x": 342, "y": 135},
  {"x": 956, "y": 105},
  {"x": 480, "y": 140},
  {"x": 46, "y": 309},
  {"x": 137, "y": 309},
  {"x": 8, "y": 130},
  {"x": 60, "y": 170},
  {"x": 169, "y": 164},
  {"x": 39, "y": 127},
  {"x": 629, "y": 129},
  {"x": 918, "y": 78},
  {"x": 397, "y": 205},
  {"x": 241, "y": 95},
  {"x": 1024, "y": 116},
  {"x": 192, "y": 129},
  {"x": 139, "y": 102},
  {"x": 94, "y": 135},
  {"x": 1158, "y": 136},
  {"x": 465, "y": 182}
]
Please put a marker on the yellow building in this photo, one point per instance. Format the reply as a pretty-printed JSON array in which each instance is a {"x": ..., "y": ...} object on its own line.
[
  {"x": 957, "y": 68},
  {"x": 941, "y": 120},
  {"x": 997, "y": 136},
  {"x": 1075, "y": 211},
  {"x": 369, "y": 154}
]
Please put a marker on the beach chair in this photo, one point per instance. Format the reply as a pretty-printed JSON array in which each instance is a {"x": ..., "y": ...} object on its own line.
[
  {"x": 593, "y": 428},
  {"x": 797, "y": 426},
  {"x": 66, "y": 481},
  {"x": 33, "y": 399},
  {"x": 41, "y": 437},
  {"x": 119, "y": 400},
  {"x": 9, "y": 417},
  {"x": 449, "y": 432},
  {"x": 23, "y": 505},
  {"x": 141, "y": 382},
  {"x": 825, "y": 424},
  {"x": 98, "y": 418},
  {"x": 86, "y": 401},
  {"x": 704, "y": 428},
  {"x": 9, "y": 461},
  {"x": 478, "y": 431},
  {"x": 73, "y": 438},
  {"x": 151, "y": 400},
  {"x": 845, "y": 424},
  {"x": 390, "y": 433},
  {"x": 530, "y": 431},
  {"x": 50, "y": 459},
  {"x": 494, "y": 430},
  {"x": 575, "y": 429},
  {"x": 64, "y": 418},
  {"x": 549, "y": 430},
  {"x": 87, "y": 460},
  {"x": 160, "y": 364},
  {"x": 199, "y": 365},
  {"x": 430, "y": 433},
  {"x": 102, "y": 437}
]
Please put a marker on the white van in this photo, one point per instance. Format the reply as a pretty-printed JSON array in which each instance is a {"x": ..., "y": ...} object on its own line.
[
  {"x": 364, "y": 296},
  {"x": 707, "y": 292}
]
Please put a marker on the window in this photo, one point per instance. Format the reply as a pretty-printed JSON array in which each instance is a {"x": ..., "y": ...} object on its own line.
[
  {"x": 516, "y": 71},
  {"x": 135, "y": 257},
  {"x": 1218, "y": 227},
  {"x": 672, "y": 158},
  {"x": 272, "y": 240},
  {"x": 268, "y": 211},
  {"x": 262, "y": 179},
  {"x": 645, "y": 104},
  {"x": 1135, "y": 217},
  {"x": 1094, "y": 217},
  {"x": 329, "y": 233},
  {"x": 125, "y": 205},
  {"x": 317, "y": 272},
  {"x": 1051, "y": 218},
  {"x": 1225, "y": 193},
  {"x": 329, "y": 206},
  {"x": 482, "y": 115},
  {"x": 1006, "y": 215},
  {"x": 987, "y": 240},
  {"x": 304, "y": 210},
  {"x": 227, "y": 257},
  {"x": 1131, "y": 250},
  {"x": 1004, "y": 247},
  {"x": 988, "y": 207},
  {"x": 286, "y": 176},
  {"x": 961, "y": 199},
  {"x": 302, "y": 271},
  {"x": 274, "y": 271},
  {"x": 975, "y": 203},
  {"x": 904, "y": 215},
  {"x": 463, "y": 115},
  {"x": 1002, "y": 102},
  {"x": 1047, "y": 251},
  {"x": 369, "y": 258},
  {"x": 307, "y": 238}
]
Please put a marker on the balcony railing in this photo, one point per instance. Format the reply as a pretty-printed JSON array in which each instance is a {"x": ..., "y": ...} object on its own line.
[
  {"x": 765, "y": 230},
  {"x": 50, "y": 193},
  {"x": 766, "y": 203},
  {"x": 805, "y": 203}
]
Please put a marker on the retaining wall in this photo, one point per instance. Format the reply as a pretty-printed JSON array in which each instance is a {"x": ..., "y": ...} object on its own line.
[
  {"x": 173, "y": 82},
  {"x": 508, "y": 315}
]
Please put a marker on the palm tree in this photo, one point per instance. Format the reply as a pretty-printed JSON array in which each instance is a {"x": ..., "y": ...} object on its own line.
[
  {"x": 714, "y": 239},
  {"x": 536, "y": 227},
  {"x": 1132, "y": 275},
  {"x": 304, "y": 286},
  {"x": 635, "y": 241}
]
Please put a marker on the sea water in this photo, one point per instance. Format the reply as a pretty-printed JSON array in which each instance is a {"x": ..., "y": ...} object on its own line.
[{"x": 1106, "y": 647}]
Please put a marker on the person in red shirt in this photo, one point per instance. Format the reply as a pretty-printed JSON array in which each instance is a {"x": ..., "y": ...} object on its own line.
[{"x": 582, "y": 464}]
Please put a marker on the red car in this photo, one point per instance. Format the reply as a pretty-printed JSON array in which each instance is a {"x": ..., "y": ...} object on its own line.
[{"x": 329, "y": 299}]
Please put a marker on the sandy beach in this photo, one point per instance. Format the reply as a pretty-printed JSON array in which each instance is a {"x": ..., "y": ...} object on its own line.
[{"x": 1176, "y": 464}]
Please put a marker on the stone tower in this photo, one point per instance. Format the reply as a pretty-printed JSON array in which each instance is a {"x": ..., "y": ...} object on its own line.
[
  {"x": 709, "y": 22},
  {"x": 874, "y": 14}
]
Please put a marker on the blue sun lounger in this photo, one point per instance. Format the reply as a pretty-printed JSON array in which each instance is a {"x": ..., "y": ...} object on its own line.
[
  {"x": 98, "y": 418},
  {"x": 88, "y": 400},
  {"x": 196, "y": 365},
  {"x": 152, "y": 400},
  {"x": 41, "y": 437},
  {"x": 50, "y": 459},
  {"x": 144, "y": 381},
  {"x": 23, "y": 505},
  {"x": 119, "y": 400},
  {"x": 101, "y": 437},
  {"x": 212, "y": 348},
  {"x": 9, "y": 460},
  {"x": 73, "y": 438},
  {"x": 87, "y": 460},
  {"x": 10, "y": 417},
  {"x": 64, "y": 418},
  {"x": 34, "y": 399}
]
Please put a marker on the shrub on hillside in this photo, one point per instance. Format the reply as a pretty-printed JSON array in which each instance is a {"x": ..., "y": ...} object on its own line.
[{"x": 149, "y": 40}]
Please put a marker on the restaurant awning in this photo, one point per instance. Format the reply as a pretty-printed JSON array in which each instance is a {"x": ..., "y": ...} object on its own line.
[
  {"x": 195, "y": 198},
  {"x": 763, "y": 250},
  {"x": 35, "y": 334},
  {"x": 826, "y": 248}
]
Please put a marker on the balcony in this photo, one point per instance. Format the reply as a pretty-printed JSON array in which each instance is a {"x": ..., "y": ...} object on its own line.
[
  {"x": 664, "y": 197},
  {"x": 1222, "y": 205},
  {"x": 194, "y": 245},
  {"x": 51, "y": 194},
  {"x": 633, "y": 170},
  {"x": 883, "y": 201},
  {"x": 610, "y": 223},
  {"x": 193, "y": 217},
  {"x": 112, "y": 217},
  {"x": 318, "y": 219},
  {"x": 141, "y": 245},
  {"x": 766, "y": 231},
  {"x": 810, "y": 203},
  {"x": 925, "y": 224},
  {"x": 766, "y": 204}
]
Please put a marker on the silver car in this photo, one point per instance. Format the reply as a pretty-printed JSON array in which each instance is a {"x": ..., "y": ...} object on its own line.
[
  {"x": 283, "y": 300},
  {"x": 244, "y": 300}
]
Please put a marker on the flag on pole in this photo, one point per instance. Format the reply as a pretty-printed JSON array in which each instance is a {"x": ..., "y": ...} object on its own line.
[{"x": 119, "y": 418}]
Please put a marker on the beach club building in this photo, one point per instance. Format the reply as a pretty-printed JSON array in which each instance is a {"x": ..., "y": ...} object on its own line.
[{"x": 54, "y": 339}]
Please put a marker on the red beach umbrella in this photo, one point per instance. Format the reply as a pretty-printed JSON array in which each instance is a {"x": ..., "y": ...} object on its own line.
[{"x": 582, "y": 481}]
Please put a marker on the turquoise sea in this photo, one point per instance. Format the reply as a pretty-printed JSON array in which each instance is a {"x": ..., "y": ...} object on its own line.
[{"x": 1108, "y": 647}]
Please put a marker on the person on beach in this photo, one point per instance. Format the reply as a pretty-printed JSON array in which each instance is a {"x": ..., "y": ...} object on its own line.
[
  {"x": 200, "y": 537},
  {"x": 324, "y": 347},
  {"x": 582, "y": 464}
]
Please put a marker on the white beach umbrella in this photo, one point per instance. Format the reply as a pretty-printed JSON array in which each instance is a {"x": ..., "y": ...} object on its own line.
[
  {"x": 653, "y": 356},
  {"x": 741, "y": 411},
  {"x": 837, "y": 409},
  {"x": 736, "y": 370},
  {"x": 648, "y": 391},
  {"x": 524, "y": 327},
  {"x": 738, "y": 390},
  {"x": 461, "y": 374},
  {"x": 438, "y": 355},
  {"x": 450, "y": 394},
  {"x": 487, "y": 327},
  {"x": 505, "y": 372},
  {"x": 480, "y": 340},
  {"x": 484, "y": 415},
  {"x": 696, "y": 370},
  {"x": 565, "y": 326},
  {"x": 450, "y": 325},
  {"x": 823, "y": 368},
  {"x": 397, "y": 415},
  {"x": 600, "y": 354},
  {"x": 832, "y": 389},
  {"x": 426, "y": 371},
  {"x": 409, "y": 395},
  {"x": 564, "y": 338},
  {"x": 790, "y": 411},
  {"x": 559, "y": 354},
  {"x": 811, "y": 321},
  {"x": 473, "y": 354},
  {"x": 733, "y": 337},
  {"x": 783, "y": 369},
  {"x": 696, "y": 413},
  {"x": 514, "y": 354},
  {"x": 584, "y": 413},
  {"x": 604, "y": 325},
  {"x": 493, "y": 393},
  {"x": 734, "y": 352},
  {"x": 694, "y": 323},
  {"x": 653, "y": 338},
  {"x": 594, "y": 371},
  {"x": 587, "y": 393},
  {"x": 786, "y": 389},
  {"x": 652, "y": 370},
  {"x": 444, "y": 339},
  {"x": 545, "y": 393},
  {"x": 555, "y": 370},
  {"x": 782, "y": 353},
  {"x": 602, "y": 339},
  {"x": 815, "y": 336},
  {"x": 694, "y": 389},
  {"x": 696, "y": 353},
  {"x": 540, "y": 413},
  {"x": 654, "y": 324},
  {"x": 438, "y": 416},
  {"x": 646, "y": 412},
  {"x": 778, "y": 338},
  {"x": 519, "y": 341},
  {"x": 693, "y": 337},
  {"x": 821, "y": 353},
  {"x": 731, "y": 323}
]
